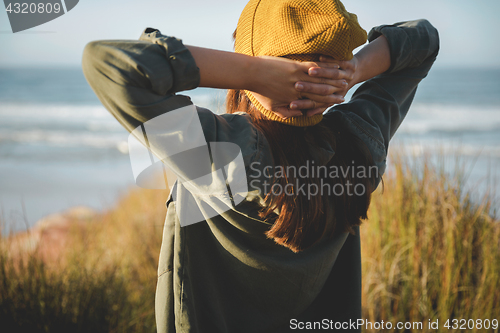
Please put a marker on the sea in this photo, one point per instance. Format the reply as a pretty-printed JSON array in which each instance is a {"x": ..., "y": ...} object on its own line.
[{"x": 60, "y": 148}]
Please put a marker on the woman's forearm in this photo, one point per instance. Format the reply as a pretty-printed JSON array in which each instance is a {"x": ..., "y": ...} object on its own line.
[
  {"x": 225, "y": 70},
  {"x": 372, "y": 60}
]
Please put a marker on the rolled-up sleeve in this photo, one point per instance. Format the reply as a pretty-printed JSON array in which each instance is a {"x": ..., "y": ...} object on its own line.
[
  {"x": 379, "y": 105},
  {"x": 136, "y": 80}
]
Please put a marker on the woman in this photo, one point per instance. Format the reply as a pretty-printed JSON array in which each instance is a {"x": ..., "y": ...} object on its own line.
[{"x": 279, "y": 250}]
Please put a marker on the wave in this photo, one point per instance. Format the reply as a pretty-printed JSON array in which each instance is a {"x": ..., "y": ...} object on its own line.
[
  {"x": 93, "y": 126},
  {"x": 448, "y": 148},
  {"x": 61, "y": 126},
  {"x": 63, "y": 138},
  {"x": 451, "y": 119},
  {"x": 422, "y": 117},
  {"x": 43, "y": 111}
]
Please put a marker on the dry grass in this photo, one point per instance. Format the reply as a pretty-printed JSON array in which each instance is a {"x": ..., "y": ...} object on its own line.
[
  {"x": 103, "y": 280},
  {"x": 429, "y": 251}
]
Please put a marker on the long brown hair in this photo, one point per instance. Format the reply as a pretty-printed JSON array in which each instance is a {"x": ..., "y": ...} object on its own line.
[{"x": 302, "y": 219}]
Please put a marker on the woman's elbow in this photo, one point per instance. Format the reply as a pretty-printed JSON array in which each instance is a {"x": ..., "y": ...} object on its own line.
[
  {"x": 93, "y": 62},
  {"x": 432, "y": 35}
]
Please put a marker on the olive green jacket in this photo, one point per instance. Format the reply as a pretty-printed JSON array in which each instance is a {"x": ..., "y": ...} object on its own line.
[{"x": 223, "y": 274}]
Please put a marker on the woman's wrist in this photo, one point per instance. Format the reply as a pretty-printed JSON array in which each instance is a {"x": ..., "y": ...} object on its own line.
[
  {"x": 255, "y": 72},
  {"x": 372, "y": 60}
]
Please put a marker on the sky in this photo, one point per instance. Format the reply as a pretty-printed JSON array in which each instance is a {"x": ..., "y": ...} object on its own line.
[{"x": 467, "y": 28}]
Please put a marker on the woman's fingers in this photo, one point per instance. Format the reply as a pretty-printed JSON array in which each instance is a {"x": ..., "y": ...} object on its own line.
[
  {"x": 303, "y": 104},
  {"x": 345, "y": 64},
  {"x": 285, "y": 112},
  {"x": 327, "y": 80},
  {"x": 310, "y": 104},
  {"x": 327, "y": 88},
  {"x": 325, "y": 99},
  {"x": 310, "y": 86},
  {"x": 330, "y": 69},
  {"x": 330, "y": 73}
]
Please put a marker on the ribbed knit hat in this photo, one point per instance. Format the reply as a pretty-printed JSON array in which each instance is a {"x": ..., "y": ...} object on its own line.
[{"x": 300, "y": 30}]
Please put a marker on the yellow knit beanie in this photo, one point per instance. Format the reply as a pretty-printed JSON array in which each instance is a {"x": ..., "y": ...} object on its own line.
[{"x": 300, "y": 30}]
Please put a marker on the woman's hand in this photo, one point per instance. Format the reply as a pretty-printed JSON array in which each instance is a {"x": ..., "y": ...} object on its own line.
[
  {"x": 279, "y": 81},
  {"x": 342, "y": 74}
]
